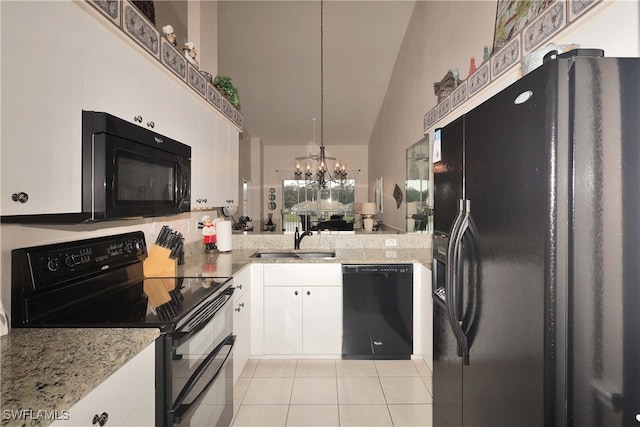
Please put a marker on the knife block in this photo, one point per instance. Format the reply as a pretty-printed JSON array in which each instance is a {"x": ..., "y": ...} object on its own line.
[{"x": 158, "y": 263}]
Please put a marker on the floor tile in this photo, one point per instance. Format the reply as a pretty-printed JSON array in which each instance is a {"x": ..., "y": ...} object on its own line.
[
  {"x": 366, "y": 390},
  {"x": 356, "y": 368},
  {"x": 396, "y": 368},
  {"x": 304, "y": 393},
  {"x": 421, "y": 366},
  {"x": 411, "y": 415},
  {"x": 314, "y": 391},
  {"x": 364, "y": 415},
  {"x": 249, "y": 368},
  {"x": 261, "y": 416},
  {"x": 398, "y": 390},
  {"x": 269, "y": 391},
  {"x": 313, "y": 416},
  {"x": 239, "y": 390},
  {"x": 276, "y": 368},
  {"x": 316, "y": 368},
  {"x": 428, "y": 381}
]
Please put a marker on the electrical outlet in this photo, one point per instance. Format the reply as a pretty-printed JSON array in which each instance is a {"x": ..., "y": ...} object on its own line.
[
  {"x": 153, "y": 229},
  {"x": 391, "y": 242}
]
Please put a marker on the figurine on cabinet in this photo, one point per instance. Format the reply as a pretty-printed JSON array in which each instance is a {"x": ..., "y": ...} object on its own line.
[
  {"x": 190, "y": 53},
  {"x": 169, "y": 34}
]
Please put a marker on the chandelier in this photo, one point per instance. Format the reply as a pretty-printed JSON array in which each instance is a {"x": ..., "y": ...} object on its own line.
[{"x": 322, "y": 173}]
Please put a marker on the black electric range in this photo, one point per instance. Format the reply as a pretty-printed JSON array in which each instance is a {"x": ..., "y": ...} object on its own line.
[{"x": 99, "y": 282}]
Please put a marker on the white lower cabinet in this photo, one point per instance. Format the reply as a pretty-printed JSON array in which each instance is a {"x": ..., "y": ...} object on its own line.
[
  {"x": 306, "y": 318},
  {"x": 241, "y": 320},
  {"x": 127, "y": 397},
  {"x": 303, "y": 320}
]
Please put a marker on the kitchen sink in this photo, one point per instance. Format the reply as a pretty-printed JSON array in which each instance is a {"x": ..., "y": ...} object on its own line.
[{"x": 301, "y": 255}]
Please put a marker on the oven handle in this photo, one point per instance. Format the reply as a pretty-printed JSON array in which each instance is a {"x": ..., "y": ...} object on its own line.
[
  {"x": 179, "y": 337},
  {"x": 179, "y": 410}
]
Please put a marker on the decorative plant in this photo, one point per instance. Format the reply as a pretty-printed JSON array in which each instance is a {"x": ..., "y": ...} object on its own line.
[{"x": 224, "y": 85}]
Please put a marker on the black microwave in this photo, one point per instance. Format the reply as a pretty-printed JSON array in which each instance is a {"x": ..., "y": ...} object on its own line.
[{"x": 129, "y": 171}]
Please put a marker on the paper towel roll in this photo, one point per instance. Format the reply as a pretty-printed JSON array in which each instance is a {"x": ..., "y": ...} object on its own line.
[{"x": 223, "y": 232}]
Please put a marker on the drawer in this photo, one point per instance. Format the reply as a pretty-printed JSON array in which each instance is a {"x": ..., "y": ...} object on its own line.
[{"x": 305, "y": 274}]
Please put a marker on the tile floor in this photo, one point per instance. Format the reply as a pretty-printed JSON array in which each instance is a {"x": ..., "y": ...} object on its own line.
[{"x": 333, "y": 393}]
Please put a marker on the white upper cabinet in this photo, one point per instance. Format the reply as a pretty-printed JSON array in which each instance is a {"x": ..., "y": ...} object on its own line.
[
  {"x": 41, "y": 112},
  {"x": 61, "y": 57},
  {"x": 226, "y": 164},
  {"x": 121, "y": 79}
]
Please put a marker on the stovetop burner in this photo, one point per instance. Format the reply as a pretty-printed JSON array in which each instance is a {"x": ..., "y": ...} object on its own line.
[{"x": 100, "y": 283}]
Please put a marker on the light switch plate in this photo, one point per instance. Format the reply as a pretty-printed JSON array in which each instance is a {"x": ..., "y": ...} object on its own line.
[{"x": 391, "y": 242}]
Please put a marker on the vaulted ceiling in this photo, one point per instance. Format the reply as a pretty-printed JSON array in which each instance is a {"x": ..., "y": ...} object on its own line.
[{"x": 271, "y": 49}]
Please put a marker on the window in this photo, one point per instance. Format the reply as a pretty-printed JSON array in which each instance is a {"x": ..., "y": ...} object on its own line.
[{"x": 305, "y": 205}]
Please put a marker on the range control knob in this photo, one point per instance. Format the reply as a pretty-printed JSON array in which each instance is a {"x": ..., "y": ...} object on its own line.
[
  {"x": 53, "y": 264},
  {"x": 69, "y": 261},
  {"x": 128, "y": 247}
]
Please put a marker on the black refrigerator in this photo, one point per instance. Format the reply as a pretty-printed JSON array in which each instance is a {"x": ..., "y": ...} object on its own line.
[{"x": 536, "y": 271}]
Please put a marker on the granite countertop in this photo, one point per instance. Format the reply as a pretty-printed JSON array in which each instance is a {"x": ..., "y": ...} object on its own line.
[
  {"x": 44, "y": 370},
  {"x": 226, "y": 264}
]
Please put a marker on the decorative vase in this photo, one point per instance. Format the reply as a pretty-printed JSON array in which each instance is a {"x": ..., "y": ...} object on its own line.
[
  {"x": 368, "y": 224},
  {"x": 269, "y": 225}
]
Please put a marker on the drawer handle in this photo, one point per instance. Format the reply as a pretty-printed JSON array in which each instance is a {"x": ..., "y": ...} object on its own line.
[{"x": 100, "y": 419}]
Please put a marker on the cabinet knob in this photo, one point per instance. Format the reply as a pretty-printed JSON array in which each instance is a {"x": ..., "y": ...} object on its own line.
[
  {"x": 151, "y": 124},
  {"x": 204, "y": 200},
  {"x": 238, "y": 309},
  {"x": 308, "y": 292},
  {"x": 137, "y": 119},
  {"x": 241, "y": 304},
  {"x": 21, "y": 197},
  {"x": 295, "y": 293},
  {"x": 239, "y": 286},
  {"x": 100, "y": 419}
]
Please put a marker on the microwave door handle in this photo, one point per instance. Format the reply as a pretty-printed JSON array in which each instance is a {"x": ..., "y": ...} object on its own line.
[
  {"x": 180, "y": 410},
  {"x": 183, "y": 185}
]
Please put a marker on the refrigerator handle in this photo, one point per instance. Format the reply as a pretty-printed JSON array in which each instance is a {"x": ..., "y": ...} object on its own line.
[
  {"x": 468, "y": 319},
  {"x": 460, "y": 224}
]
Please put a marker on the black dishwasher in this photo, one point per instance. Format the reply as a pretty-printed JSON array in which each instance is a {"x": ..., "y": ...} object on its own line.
[{"x": 377, "y": 311}]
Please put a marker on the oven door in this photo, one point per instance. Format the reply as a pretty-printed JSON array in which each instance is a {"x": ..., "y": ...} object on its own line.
[{"x": 202, "y": 367}]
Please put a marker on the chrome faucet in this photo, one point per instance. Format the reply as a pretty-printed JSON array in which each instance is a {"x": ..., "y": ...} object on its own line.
[{"x": 297, "y": 238}]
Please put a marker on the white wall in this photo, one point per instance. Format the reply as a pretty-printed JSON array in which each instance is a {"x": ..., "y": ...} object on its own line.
[{"x": 463, "y": 28}]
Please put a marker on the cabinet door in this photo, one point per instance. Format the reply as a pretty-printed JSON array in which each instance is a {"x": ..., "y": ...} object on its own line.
[
  {"x": 117, "y": 398},
  {"x": 242, "y": 330},
  {"x": 233, "y": 172},
  {"x": 322, "y": 320},
  {"x": 121, "y": 79},
  {"x": 283, "y": 320},
  {"x": 222, "y": 163},
  {"x": 41, "y": 113},
  {"x": 111, "y": 72}
]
